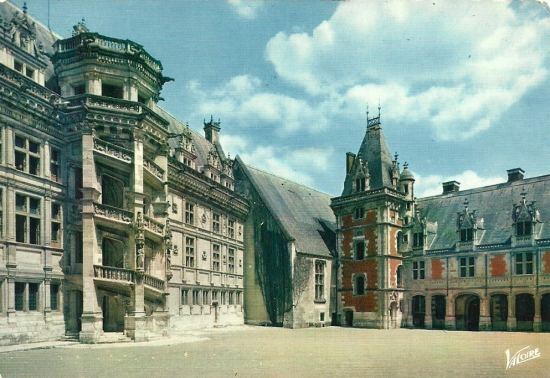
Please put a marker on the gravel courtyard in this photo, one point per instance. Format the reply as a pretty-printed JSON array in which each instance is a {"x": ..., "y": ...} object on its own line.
[{"x": 276, "y": 352}]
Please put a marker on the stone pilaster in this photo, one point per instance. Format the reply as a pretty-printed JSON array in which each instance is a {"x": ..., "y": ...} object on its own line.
[
  {"x": 8, "y": 142},
  {"x": 428, "y": 318},
  {"x": 135, "y": 323},
  {"x": 511, "y": 322},
  {"x": 484, "y": 314},
  {"x": 47, "y": 296},
  {"x": 11, "y": 293},
  {"x": 92, "y": 318},
  {"x": 537, "y": 324},
  {"x": 450, "y": 319}
]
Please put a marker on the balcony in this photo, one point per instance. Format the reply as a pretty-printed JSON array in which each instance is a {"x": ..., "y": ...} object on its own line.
[
  {"x": 153, "y": 226},
  {"x": 112, "y": 151},
  {"x": 113, "y": 215},
  {"x": 121, "y": 279},
  {"x": 153, "y": 171}
]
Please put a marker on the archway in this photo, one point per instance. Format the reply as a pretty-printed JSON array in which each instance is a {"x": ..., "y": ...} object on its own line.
[
  {"x": 545, "y": 312},
  {"x": 438, "y": 311},
  {"x": 418, "y": 311},
  {"x": 499, "y": 312},
  {"x": 467, "y": 312},
  {"x": 525, "y": 312}
]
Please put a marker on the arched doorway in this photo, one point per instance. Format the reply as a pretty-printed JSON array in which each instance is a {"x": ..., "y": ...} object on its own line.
[
  {"x": 545, "y": 312},
  {"x": 467, "y": 312},
  {"x": 499, "y": 312},
  {"x": 438, "y": 311},
  {"x": 348, "y": 314},
  {"x": 525, "y": 312},
  {"x": 418, "y": 311}
]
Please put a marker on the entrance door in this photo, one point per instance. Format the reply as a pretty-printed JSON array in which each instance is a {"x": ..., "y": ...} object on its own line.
[
  {"x": 525, "y": 312},
  {"x": 419, "y": 310},
  {"x": 349, "y": 318},
  {"x": 472, "y": 314},
  {"x": 438, "y": 312},
  {"x": 499, "y": 312},
  {"x": 545, "y": 312},
  {"x": 113, "y": 314}
]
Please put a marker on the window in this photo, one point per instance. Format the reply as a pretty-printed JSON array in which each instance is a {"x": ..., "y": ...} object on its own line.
[
  {"x": 467, "y": 266},
  {"x": 466, "y": 234},
  {"x": 109, "y": 90},
  {"x": 418, "y": 270},
  {"x": 215, "y": 296},
  {"x": 321, "y": 316},
  {"x": 399, "y": 274},
  {"x": 29, "y": 72},
  {"x": 239, "y": 295},
  {"x": 216, "y": 222},
  {"x": 319, "y": 280},
  {"x": 55, "y": 170},
  {"x": 184, "y": 297},
  {"x": 79, "y": 89},
  {"x": 78, "y": 182},
  {"x": 27, "y": 155},
  {"x": 33, "y": 296},
  {"x": 205, "y": 297},
  {"x": 19, "y": 295},
  {"x": 406, "y": 187},
  {"x": 524, "y": 263},
  {"x": 418, "y": 240},
  {"x": 54, "y": 293},
  {"x": 231, "y": 297},
  {"x": 189, "y": 213},
  {"x": 523, "y": 229},
  {"x": 216, "y": 257},
  {"x": 18, "y": 66},
  {"x": 224, "y": 297},
  {"x": 56, "y": 223},
  {"x": 78, "y": 247},
  {"x": 112, "y": 191},
  {"x": 359, "y": 284},
  {"x": 195, "y": 297},
  {"x": 231, "y": 260},
  {"x": 360, "y": 184},
  {"x": 359, "y": 213},
  {"x": 359, "y": 250},
  {"x": 27, "y": 219},
  {"x": 231, "y": 228},
  {"x": 189, "y": 252}
]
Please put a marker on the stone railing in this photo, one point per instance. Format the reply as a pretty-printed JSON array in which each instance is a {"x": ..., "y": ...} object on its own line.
[
  {"x": 152, "y": 167},
  {"x": 154, "y": 282},
  {"x": 114, "y": 213},
  {"x": 107, "y": 43},
  {"x": 523, "y": 240},
  {"x": 115, "y": 274},
  {"x": 112, "y": 104},
  {"x": 113, "y": 150},
  {"x": 153, "y": 225}
]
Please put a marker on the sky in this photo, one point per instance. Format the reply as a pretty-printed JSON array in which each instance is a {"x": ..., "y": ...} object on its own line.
[{"x": 464, "y": 87}]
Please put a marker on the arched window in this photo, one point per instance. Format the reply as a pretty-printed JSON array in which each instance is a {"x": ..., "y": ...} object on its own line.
[{"x": 359, "y": 284}]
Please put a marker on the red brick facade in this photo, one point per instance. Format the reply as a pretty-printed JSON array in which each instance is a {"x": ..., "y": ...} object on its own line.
[
  {"x": 437, "y": 269},
  {"x": 498, "y": 265},
  {"x": 546, "y": 262}
]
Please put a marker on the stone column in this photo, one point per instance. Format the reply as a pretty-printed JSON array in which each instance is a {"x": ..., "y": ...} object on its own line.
[
  {"x": 450, "y": 320},
  {"x": 92, "y": 317},
  {"x": 511, "y": 323},
  {"x": 10, "y": 157},
  {"x": 93, "y": 84},
  {"x": 46, "y": 232},
  {"x": 11, "y": 294},
  {"x": 130, "y": 90},
  {"x": 537, "y": 325},
  {"x": 484, "y": 314},
  {"x": 46, "y": 159},
  {"x": 428, "y": 324},
  {"x": 47, "y": 296}
]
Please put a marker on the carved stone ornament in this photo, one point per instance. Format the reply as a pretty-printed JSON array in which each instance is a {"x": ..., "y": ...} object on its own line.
[
  {"x": 204, "y": 219},
  {"x": 140, "y": 241},
  {"x": 204, "y": 255}
]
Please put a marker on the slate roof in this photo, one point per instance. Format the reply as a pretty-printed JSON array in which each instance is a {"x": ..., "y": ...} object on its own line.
[
  {"x": 493, "y": 203},
  {"x": 44, "y": 36},
  {"x": 303, "y": 213},
  {"x": 202, "y": 145},
  {"x": 373, "y": 150}
]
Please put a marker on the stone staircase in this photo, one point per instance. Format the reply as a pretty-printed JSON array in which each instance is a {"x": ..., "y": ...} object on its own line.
[{"x": 114, "y": 337}]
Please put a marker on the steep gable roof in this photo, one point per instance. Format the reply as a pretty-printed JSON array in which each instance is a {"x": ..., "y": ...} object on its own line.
[{"x": 303, "y": 213}]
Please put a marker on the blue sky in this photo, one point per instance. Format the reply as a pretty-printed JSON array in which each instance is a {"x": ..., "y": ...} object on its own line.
[{"x": 464, "y": 86}]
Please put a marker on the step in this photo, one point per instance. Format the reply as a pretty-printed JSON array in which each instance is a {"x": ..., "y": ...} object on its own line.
[{"x": 114, "y": 337}]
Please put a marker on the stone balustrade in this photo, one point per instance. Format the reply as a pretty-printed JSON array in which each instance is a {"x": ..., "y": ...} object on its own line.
[
  {"x": 153, "y": 225},
  {"x": 115, "y": 274},
  {"x": 154, "y": 282},
  {"x": 113, "y": 150},
  {"x": 153, "y": 168},
  {"x": 113, "y": 213}
]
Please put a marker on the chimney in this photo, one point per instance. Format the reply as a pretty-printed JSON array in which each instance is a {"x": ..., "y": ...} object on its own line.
[
  {"x": 350, "y": 158},
  {"x": 211, "y": 130},
  {"x": 515, "y": 174},
  {"x": 451, "y": 187}
]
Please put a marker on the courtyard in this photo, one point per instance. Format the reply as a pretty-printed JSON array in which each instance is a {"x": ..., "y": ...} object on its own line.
[{"x": 274, "y": 352}]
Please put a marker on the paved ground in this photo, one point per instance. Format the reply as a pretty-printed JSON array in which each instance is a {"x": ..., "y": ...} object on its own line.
[{"x": 275, "y": 352}]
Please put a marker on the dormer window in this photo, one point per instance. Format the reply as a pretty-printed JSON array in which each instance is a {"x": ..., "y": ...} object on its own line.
[
  {"x": 18, "y": 66},
  {"x": 418, "y": 240},
  {"x": 29, "y": 72},
  {"x": 524, "y": 229},
  {"x": 467, "y": 235},
  {"x": 360, "y": 184}
]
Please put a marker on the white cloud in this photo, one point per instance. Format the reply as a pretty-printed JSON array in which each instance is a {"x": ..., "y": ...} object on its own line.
[
  {"x": 299, "y": 165},
  {"x": 426, "y": 186},
  {"x": 246, "y": 8},
  {"x": 454, "y": 66},
  {"x": 243, "y": 103}
]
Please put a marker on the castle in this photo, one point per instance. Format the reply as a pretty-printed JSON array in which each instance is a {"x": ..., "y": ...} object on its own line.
[{"x": 118, "y": 221}]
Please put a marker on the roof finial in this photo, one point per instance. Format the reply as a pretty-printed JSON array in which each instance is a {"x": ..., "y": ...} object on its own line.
[
  {"x": 523, "y": 195},
  {"x": 405, "y": 165},
  {"x": 466, "y": 203},
  {"x": 395, "y": 156},
  {"x": 379, "y": 107},
  {"x": 367, "y": 111},
  {"x": 211, "y": 118},
  {"x": 25, "y": 7}
]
